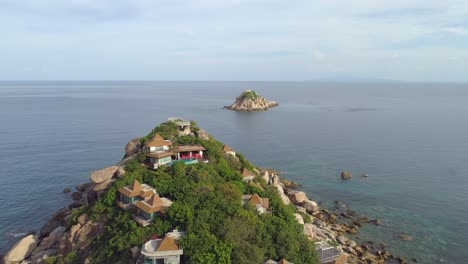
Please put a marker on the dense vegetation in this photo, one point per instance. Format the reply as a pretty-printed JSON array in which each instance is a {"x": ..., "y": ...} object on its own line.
[
  {"x": 207, "y": 205},
  {"x": 250, "y": 95}
]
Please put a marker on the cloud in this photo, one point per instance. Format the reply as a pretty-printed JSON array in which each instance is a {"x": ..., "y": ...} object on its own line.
[
  {"x": 461, "y": 31},
  {"x": 234, "y": 39}
]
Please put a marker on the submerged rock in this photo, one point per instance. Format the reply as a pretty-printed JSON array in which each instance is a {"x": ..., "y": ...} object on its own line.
[
  {"x": 405, "y": 237},
  {"x": 250, "y": 101}
]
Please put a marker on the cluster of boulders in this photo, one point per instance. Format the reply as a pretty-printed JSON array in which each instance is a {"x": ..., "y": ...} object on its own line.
[
  {"x": 332, "y": 226},
  {"x": 55, "y": 239},
  {"x": 248, "y": 104}
]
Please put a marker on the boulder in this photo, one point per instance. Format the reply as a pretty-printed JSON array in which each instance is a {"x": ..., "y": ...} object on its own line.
[
  {"x": 375, "y": 222},
  {"x": 53, "y": 238},
  {"x": 346, "y": 175},
  {"x": 314, "y": 233},
  {"x": 82, "y": 219},
  {"x": 299, "y": 218},
  {"x": 66, "y": 190},
  {"x": 76, "y": 196},
  {"x": 202, "y": 134},
  {"x": 280, "y": 189},
  {"x": 22, "y": 249},
  {"x": 266, "y": 176},
  {"x": 40, "y": 257},
  {"x": 103, "y": 185},
  {"x": 83, "y": 187},
  {"x": 120, "y": 172},
  {"x": 289, "y": 184},
  {"x": 50, "y": 226},
  {"x": 133, "y": 146},
  {"x": 80, "y": 236},
  {"x": 135, "y": 251},
  {"x": 342, "y": 240},
  {"x": 310, "y": 206},
  {"x": 298, "y": 197},
  {"x": 103, "y": 175},
  {"x": 351, "y": 243},
  {"x": 274, "y": 180},
  {"x": 285, "y": 199}
]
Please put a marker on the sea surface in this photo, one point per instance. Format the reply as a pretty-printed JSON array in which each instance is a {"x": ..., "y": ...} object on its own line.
[{"x": 411, "y": 139}]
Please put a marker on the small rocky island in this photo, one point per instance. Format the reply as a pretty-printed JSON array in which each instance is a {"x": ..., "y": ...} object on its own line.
[{"x": 250, "y": 101}]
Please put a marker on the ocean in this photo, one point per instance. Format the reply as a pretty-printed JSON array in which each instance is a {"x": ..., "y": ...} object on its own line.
[{"x": 410, "y": 138}]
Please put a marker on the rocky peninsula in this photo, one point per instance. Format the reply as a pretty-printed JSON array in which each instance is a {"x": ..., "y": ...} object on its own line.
[
  {"x": 250, "y": 101},
  {"x": 206, "y": 203}
]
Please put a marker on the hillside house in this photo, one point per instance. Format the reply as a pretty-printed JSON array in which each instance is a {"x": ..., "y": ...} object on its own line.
[
  {"x": 183, "y": 126},
  {"x": 229, "y": 150},
  {"x": 158, "y": 144},
  {"x": 133, "y": 193},
  {"x": 163, "y": 250},
  {"x": 147, "y": 210},
  {"x": 262, "y": 205},
  {"x": 247, "y": 175}
]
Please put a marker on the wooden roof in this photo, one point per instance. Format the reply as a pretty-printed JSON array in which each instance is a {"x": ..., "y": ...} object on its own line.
[
  {"x": 188, "y": 148},
  {"x": 133, "y": 190},
  {"x": 283, "y": 261},
  {"x": 154, "y": 204},
  {"x": 168, "y": 244},
  {"x": 160, "y": 154},
  {"x": 159, "y": 141},
  {"x": 247, "y": 173},
  {"x": 226, "y": 148},
  {"x": 257, "y": 200}
]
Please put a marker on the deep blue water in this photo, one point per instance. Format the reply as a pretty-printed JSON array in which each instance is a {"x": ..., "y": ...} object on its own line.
[{"x": 412, "y": 140}]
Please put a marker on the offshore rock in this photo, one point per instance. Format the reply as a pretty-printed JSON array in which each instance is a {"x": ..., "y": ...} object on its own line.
[
  {"x": 250, "y": 101},
  {"x": 346, "y": 175}
]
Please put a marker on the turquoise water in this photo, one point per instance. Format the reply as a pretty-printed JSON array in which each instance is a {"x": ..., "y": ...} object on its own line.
[
  {"x": 411, "y": 139},
  {"x": 186, "y": 161}
]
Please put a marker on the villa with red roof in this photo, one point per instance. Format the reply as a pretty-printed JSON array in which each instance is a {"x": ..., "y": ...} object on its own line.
[{"x": 161, "y": 152}]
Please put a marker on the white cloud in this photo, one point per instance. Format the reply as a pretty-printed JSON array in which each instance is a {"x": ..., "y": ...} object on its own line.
[{"x": 209, "y": 37}]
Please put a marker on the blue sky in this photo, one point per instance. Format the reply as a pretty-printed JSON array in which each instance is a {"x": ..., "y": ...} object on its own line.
[{"x": 421, "y": 40}]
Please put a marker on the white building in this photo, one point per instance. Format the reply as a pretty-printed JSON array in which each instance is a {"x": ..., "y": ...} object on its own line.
[
  {"x": 229, "y": 150},
  {"x": 163, "y": 250},
  {"x": 261, "y": 204},
  {"x": 247, "y": 175}
]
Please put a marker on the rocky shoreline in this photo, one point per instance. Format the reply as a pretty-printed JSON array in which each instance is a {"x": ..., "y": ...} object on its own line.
[
  {"x": 59, "y": 238},
  {"x": 336, "y": 224},
  {"x": 250, "y": 101}
]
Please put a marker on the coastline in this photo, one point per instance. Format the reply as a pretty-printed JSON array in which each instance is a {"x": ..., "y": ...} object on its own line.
[{"x": 322, "y": 224}]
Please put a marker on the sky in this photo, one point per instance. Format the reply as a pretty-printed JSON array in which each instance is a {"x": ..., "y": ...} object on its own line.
[{"x": 276, "y": 40}]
